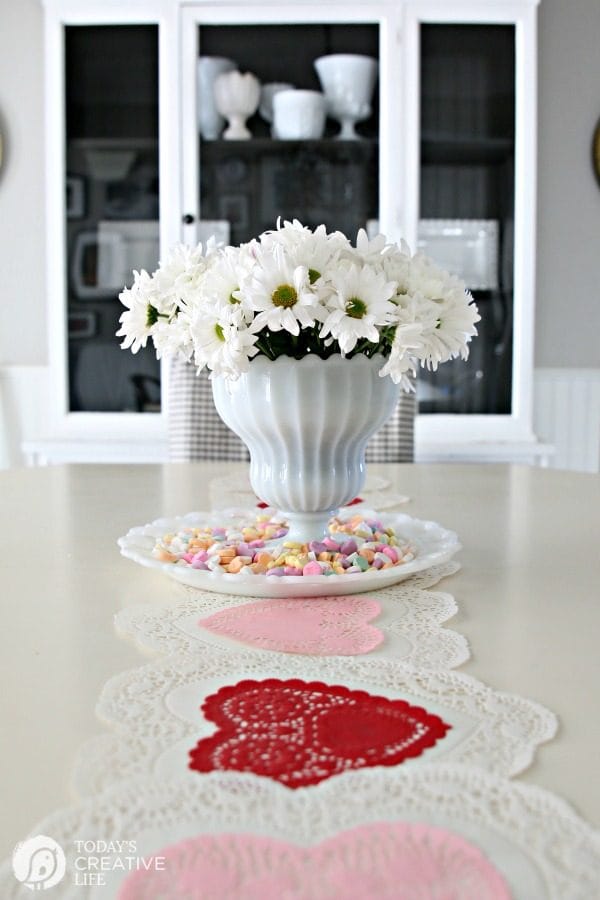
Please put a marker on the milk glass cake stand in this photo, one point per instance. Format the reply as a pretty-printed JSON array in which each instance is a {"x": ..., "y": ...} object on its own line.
[{"x": 433, "y": 545}]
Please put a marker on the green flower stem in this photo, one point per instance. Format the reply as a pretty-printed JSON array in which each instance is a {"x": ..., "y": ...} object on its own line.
[{"x": 265, "y": 349}]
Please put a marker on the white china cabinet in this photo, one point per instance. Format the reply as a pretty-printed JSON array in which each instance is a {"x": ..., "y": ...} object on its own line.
[{"x": 444, "y": 157}]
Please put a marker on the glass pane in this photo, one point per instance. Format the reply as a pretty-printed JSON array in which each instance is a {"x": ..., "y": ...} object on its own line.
[
  {"x": 111, "y": 82},
  {"x": 309, "y": 174},
  {"x": 467, "y": 201}
]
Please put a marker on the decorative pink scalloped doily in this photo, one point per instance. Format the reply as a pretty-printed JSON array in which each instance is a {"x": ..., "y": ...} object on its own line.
[
  {"x": 300, "y": 732},
  {"x": 389, "y": 861},
  {"x": 316, "y": 626}
]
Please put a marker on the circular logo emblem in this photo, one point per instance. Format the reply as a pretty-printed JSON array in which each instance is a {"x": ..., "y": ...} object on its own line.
[{"x": 39, "y": 863}]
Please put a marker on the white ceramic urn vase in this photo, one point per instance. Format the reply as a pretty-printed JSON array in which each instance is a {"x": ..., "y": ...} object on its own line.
[
  {"x": 210, "y": 121},
  {"x": 348, "y": 80},
  {"x": 236, "y": 98},
  {"x": 306, "y": 424}
]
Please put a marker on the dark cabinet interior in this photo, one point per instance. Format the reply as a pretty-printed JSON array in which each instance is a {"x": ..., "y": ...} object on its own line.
[
  {"x": 111, "y": 85},
  {"x": 467, "y": 176},
  {"x": 250, "y": 183}
]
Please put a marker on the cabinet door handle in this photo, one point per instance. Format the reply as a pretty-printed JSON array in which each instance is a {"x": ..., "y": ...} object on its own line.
[{"x": 188, "y": 219}]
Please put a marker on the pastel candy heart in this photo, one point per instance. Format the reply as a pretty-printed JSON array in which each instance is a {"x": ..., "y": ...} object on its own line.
[
  {"x": 300, "y": 733},
  {"x": 317, "y": 626},
  {"x": 387, "y": 861}
]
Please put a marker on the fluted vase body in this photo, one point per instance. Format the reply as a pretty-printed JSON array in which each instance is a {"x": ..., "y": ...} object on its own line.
[{"x": 306, "y": 424}]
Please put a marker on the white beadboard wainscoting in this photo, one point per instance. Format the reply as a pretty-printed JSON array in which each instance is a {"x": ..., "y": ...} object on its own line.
[
  {"x": 566, "y": 417},
  {"x": 566, "y": 413},
  {"x": 23, "y": 399}
]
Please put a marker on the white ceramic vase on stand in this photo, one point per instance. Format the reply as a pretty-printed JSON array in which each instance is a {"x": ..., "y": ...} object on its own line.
[
  {"x": 210, "y": 121},
  {"x": 348, "y": 80},
  {"x": 306, "y": 424},
  {"x": 236, "y": 97}
]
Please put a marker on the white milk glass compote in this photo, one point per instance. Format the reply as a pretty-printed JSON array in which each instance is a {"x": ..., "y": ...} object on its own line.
[{"x": 348, "y": 80}]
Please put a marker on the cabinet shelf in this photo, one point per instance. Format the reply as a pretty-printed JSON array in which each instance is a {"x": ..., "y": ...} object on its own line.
[
  {"x": 467, "y": 149},
  {"x": 212, "y": 151},
  {"x": 252, "y": 183}
]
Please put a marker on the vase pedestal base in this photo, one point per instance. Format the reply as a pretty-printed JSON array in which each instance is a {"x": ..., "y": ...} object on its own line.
[{"x": 305, "y": 527}]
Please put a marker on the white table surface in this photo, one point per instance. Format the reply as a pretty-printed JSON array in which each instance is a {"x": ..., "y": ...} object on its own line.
[{"x": 528, "y": 594}]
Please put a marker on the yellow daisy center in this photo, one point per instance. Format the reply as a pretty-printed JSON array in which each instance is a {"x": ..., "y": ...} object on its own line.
[
  {"x": 284, "y": 295},
  {"x": 356, "y": 308}
]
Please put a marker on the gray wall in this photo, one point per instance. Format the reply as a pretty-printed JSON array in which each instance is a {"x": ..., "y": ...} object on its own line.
[
  {"x": 568, "y": 245},
  {"x": 22, "y": 241},
  {"x": 568, "y": 259}
]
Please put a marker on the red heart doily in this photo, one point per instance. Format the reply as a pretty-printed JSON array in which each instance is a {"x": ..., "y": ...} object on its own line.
[{"x": 300, "y": 733}]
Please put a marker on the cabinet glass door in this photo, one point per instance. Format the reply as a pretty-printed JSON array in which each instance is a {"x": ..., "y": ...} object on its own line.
[
  {"x": 112, "y": 211},
  {"x": 306, "y": 173},
  {"x": 466, "y": 217}
]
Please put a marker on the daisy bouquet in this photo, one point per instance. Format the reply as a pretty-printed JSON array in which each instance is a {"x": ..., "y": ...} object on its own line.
[{"x": 296, "y": 291}]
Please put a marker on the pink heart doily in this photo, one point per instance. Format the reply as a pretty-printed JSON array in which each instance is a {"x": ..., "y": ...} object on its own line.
[
  {"x": 389, "y": 861},
  {"x": 332, "y": 626},
  {"x": 300, "y": 733}
]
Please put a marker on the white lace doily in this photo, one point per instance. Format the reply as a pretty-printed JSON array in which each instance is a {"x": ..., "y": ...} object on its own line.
[
  {"x": 156, "y": 717},
  {"x": 410, "y": 623},
  {"x": 537, "y": 843},
  {"x": 235, "y": 490}
]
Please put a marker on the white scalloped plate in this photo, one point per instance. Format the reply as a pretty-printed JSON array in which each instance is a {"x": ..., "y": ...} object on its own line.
[{"x": 434, "y": 545}]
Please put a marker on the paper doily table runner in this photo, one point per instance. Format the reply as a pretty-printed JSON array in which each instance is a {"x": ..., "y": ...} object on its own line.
[
  {"x": 498, "y": 832},
  {"x": 315, "y": 749},
  {"x": 402, "y": 622},
  {"x": 157, "y": 719}
]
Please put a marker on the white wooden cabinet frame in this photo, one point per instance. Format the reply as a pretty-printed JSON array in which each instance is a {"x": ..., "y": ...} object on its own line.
[{"x": 143, "y": 437}]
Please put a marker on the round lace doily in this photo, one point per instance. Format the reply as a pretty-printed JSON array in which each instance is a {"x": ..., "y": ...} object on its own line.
[
  {"x": 157, "y": 721},
  {"x": 542, "y": 850},
  {"x": 407, "y": 626}
]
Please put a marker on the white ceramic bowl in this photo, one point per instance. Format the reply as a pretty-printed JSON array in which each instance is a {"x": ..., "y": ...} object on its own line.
[
  {"x": 299, "y": 115},
  {"x": 267, "y": 92}
]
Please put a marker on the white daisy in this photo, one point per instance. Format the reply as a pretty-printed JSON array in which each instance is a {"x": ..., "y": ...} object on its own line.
[
  {"x": 280, "y": 293},
  {"x": 360, "y": 303},
  {"x": 141, "y": 314},
  {"x": 406, "y": 345},
  {"x": 428, "y": 279},
  {"x": 454, "y": 329},
  {"x": 221, "y": 346},
  {"x": 171, "y": 337},
  {"x": 179, "y": 277},
  {"x": 370, "y": 250},
  {"x": 317, "y": 250},
  {"x": 396, "y": 264},
  {"x": 400, "y": 367},
  {"x": 226, "y": 272}
]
